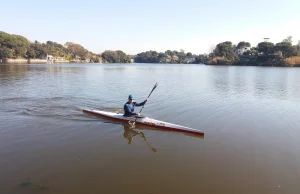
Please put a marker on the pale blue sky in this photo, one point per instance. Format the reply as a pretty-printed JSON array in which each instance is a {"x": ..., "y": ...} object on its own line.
[{"x": 136, "y": 25}]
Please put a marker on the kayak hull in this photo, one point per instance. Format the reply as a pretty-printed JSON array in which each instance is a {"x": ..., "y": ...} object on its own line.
[{"x": 143, "y": 121}]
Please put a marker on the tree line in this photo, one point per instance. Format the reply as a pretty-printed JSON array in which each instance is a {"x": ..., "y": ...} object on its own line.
[
  {"x": 166, "y": 57},
  {"x": 265, "y": 53},
  {"x": 18, "y": 47},
  {"x": 225, "y": 53}
]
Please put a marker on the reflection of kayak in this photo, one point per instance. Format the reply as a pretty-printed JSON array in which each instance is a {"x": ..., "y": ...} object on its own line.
[{"x": 143, "y": 121}]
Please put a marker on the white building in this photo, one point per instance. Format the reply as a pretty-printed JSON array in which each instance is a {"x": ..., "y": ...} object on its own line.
[
  {"x": 59, "y": 58},
  {"x": 241, "y": 51},
  {"x": 189, "y": 59},
  {"x": 48, "y": 57}
]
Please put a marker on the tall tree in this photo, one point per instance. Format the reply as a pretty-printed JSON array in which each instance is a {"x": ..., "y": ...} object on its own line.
[
  {"x": 18, "y": 45},
  {"x": 170, "y": 53},
  {"x": 181, "y": 56},
  {"x": 286, "y": 48},
  {"x": 243, "y": 44},
  {"x": 147, "y": 57},
  {"x": 202, "y": 59},
  {"x": 31, "y": 54},
  {"x": 288, "y": 39},
  {"x": 76, "y": 49},
  {"x": 225, "y": 49},
  {"x": 115, "y": 57},
  {"x": 6, "y": 52},
  {"x": 265, "y": 47},
  {"x": 162, "y": 57},
  {"x": 123, "y": 58},
  {"x": 189, "y": 54}
]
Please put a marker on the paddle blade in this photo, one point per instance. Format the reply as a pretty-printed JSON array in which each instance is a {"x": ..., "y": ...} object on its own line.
[
  {"x": 155, "y": 86},
  {"x": 153, "y": 89}
]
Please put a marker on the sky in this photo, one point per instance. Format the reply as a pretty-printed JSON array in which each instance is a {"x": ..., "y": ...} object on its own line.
[{"x": 139, "y": 25}]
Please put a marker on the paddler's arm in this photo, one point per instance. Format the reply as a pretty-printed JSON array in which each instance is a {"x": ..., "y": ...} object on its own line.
[{"x": 141, "y": 104}]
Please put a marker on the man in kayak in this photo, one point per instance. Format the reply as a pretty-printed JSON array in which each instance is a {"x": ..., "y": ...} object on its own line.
[{"x": 129, "y": 106}]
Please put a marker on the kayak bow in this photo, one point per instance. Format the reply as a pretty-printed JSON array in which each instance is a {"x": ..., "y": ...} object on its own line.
[{"x": 143, "y": 121}]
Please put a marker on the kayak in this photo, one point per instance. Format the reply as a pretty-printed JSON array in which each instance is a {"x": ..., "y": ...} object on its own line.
[{"x": 143, "y": 120}]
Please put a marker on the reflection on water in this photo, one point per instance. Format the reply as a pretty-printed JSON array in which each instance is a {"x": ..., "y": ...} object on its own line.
[
  {"x": 17, "y": 68},
  {"x": 130, "y": 132},
  {"x": 11, "y": 74},
  {"x": 114, "y": 68},
  {"x": 13, "y": 68},
  {"x": 229, "y": 81},
  {"x": 250, "y": 116},
  {"x": 275, "y": 85},
  {"x": 220, "y": 79}
]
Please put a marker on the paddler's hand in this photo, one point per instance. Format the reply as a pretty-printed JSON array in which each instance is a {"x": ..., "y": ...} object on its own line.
[{"x": 146, "y": 100}]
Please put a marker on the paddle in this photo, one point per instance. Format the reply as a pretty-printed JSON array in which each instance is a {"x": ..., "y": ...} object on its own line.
[
  {"x": 143, "y": 105},
  {"x": 145, "y": 139}
]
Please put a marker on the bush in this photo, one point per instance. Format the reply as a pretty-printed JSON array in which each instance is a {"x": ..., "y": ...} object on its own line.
[
  {"x": 219, "y": 61},
  {"x": 293, "y": 61}
]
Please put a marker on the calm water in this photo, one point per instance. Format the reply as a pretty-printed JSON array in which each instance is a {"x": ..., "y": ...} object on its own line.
[{"x": 250, "y": 116}]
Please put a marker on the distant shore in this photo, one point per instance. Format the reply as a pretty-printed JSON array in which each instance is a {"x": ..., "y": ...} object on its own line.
[{"x": 19, "y": 50}]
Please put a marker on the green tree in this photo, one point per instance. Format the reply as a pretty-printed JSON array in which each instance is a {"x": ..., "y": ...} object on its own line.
[
  {"x": 22, "y": 45},
  {"x": 181, "y": 56},
  {"x": 115, "y": 57},
  {"x": 53, "y": 48},
  {"x": 123, "y": 58},
  {"x": 286, "y": 48},
  {"x": 162, "y": 57},
  {"x": 38, "y": 49},
  {"x": 298, "y": 46},
  {"x": 201, "y": 59},
  {"x": 189, "y": 54},
  {"x": 243, "y": 44},
  {"x": 175, "y": 53},
  {"x": 31, "y": 53},
  {"x": 147, "y": 57},
  {"x": 17, "y": 43},
  {"x": 76, "y": 50},
  {"x": 225, "y": 49},
  {"x": 110, "y": 56},
  {"x": 170, "y": 53},
  {"x": 266, "y": 47},
  {"x": 288, "y": 39},
  {"x": 6, "y": 52}
]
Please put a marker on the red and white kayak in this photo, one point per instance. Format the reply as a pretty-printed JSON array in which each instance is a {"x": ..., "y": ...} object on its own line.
[{"x": 143, "y": 121}]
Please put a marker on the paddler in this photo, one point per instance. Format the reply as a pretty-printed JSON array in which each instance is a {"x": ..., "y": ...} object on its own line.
[{"x": 129, "y": 106}]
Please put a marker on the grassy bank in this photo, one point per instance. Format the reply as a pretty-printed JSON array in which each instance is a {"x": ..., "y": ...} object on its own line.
[{"x": 293, "y": 61}]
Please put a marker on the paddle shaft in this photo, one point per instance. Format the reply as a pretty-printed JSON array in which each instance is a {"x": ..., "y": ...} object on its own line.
[{"x": 145, "y": 103}]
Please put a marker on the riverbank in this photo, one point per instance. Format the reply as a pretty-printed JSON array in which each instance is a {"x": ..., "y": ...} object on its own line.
[{"x": 273, "y": 61}]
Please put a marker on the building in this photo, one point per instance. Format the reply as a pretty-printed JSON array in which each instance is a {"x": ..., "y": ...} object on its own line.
[
  {"x": 241, "y": 51},
  {"x": 59, "y": 59},
  {"x": 47, "y": 57},
  {"x": 189, "y": 60}
]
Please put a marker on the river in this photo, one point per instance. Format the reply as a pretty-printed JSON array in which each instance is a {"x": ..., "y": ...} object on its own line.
[{"x": 250, "y": 117}]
